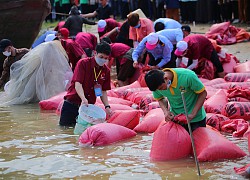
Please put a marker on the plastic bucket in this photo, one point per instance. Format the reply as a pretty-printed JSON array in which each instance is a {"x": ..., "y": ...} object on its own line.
[{"x": 88, "y": 116}]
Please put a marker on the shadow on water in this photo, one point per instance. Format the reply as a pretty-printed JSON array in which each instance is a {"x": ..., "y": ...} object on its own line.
[{"x": 32, "y": 145}]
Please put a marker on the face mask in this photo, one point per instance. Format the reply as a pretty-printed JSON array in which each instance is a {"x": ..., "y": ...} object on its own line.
[
  {"x": 100, "y": 61},
  {"x": 7, "y": 53},
  {"x": 168, "y": 84},
  {"x": 137, "y": 26}
]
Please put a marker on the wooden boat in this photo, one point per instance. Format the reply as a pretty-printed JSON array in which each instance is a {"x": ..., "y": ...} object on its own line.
[{"x": 21, "y": 20}]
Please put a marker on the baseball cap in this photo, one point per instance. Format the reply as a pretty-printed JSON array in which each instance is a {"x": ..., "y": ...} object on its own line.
[
  {"x": 4, "y": 43},
  {"x": 181, "y": 46},
  {"x": 152, "y": 40},
  {"x": 186, "y": 28},
  {"x": 64, "y": 32},
  {"x": 101, "y": 25},
  {"x": 50, "y": 37}
]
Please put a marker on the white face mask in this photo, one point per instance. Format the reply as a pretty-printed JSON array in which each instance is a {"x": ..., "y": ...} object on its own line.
[
  {"x": 100, "y": 61},
  {"x": 168, "y": 84},
  {"x": 7, "y": 53}
]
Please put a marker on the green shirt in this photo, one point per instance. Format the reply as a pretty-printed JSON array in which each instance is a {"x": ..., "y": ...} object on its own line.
[
  {"x": 183, "y": 79},
  {"x": 84, "y": 1},
  {"x": 65, "y": 1}
]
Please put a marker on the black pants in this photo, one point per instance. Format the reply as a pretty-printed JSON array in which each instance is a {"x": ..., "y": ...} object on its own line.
[
  {"x": 153, "y": 62},
  {"x": 195, "y": 125},
  {"x": 69, "y": 114}
]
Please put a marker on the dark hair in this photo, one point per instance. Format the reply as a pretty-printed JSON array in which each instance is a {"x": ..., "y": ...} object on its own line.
[
  {"x": 106, "y": 39},
  {"x": 186, "y": 28},
  {"x": 154, "y": 79},
  {"x": 159, "y": 26},
  {"x": 103, "y": 47},
  {"x": 74, "y": 10},
  {"x": 133, "y": 19}
]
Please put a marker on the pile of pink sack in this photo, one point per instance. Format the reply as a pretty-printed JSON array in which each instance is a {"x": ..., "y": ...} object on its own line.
[
  {"x": 224, "y": 33},
  {"x": 135, "y": 111}
]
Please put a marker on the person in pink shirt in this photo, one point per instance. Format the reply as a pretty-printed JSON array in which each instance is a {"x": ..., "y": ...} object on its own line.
[
  {"x": 87, "y": 41},
  {"x": 122, "y": 54},
  {"x": 195, "y": 47},
  {"x": 106, "y": 26},
  {"x": 91, "y": 79},
  {"x": 72, "y": 48},
  {"x": 139, "y": 28}
]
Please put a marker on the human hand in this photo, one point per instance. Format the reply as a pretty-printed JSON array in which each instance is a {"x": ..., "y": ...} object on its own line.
[
  {"x": 108, "y": 112},
  {"x": 190, "y": 117},
  {"x": 84, "y": 102},
  {"x": 169, "y": 116},
  {"x": 135, "y": 64}
]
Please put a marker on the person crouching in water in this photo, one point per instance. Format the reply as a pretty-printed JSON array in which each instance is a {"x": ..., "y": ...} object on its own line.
[
  {"x": 167, "y": 86},
  {"x": 91, "y": 79}
]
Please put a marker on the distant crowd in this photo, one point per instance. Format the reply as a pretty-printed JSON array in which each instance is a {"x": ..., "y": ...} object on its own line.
[{"x": 184, "y": 11}]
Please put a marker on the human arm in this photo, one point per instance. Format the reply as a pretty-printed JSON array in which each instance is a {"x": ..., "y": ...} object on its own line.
[
  {"x": 178, "y": 61},
  {"x": 5, "y": 73},
  {"x": 90, "y": 15},
  {"x": 199, "y": 103},
  {"x": 86, "y": 21},
  {"x": 138, "y": 51},
  {"x": 114, "y": 30},
  {"x": 105, "y": 102},
  {"x": 80, "y": 92},
  {"x": 193, "y": 65},
  {"x": 164, "y": 106}
]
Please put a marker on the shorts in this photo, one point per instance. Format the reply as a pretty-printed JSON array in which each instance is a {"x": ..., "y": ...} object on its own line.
[{"x": 195, "y": 125}]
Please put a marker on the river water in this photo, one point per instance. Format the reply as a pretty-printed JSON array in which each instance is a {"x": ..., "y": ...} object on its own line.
[{"x": 33, "y": 146}]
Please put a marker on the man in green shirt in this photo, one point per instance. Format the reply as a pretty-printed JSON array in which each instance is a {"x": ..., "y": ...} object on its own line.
[{"x": 170, "y": 83}]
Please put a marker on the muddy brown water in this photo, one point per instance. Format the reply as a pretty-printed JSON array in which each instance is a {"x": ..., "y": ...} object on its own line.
[{"x": 33, "y": 146}]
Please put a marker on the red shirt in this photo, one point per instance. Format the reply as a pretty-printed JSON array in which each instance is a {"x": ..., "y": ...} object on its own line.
[
  {"x": 118, "y": 50},
  {"x": 73, "y": 50},
  {"x": 198, "y": 47},
  {"x": 86, "y": 40},
  {"x": 111, "y": 24},
  {"x": 84, "y": 74}
]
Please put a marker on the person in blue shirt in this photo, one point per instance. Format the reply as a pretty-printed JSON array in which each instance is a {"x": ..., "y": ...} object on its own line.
[
  {"x": 166, "y": 23},
  {"x": 160, "y": 49},
  {"x": 174, "y": 36}
]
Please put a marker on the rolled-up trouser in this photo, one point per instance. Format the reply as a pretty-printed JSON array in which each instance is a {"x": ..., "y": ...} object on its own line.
[{"x": 69, "y": 114}]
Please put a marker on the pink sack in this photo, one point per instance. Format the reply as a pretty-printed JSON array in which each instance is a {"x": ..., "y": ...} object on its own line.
[
  {"x": 237, "y": 110},
  {"x": 237, "y": 77},
  {"x": 104, "y": 134},
  {"x": 236, "y": 126},
  {"x": 52, "y": 103},
  {"x": 214, "y": 82},
  {"x": 151, "y": 121},
  {"x": 241, "y": 170},
  {"x": 215, "y": 120},
  {"x": 239, "y": 92},
  {"x": 121, "y": 91},
  {"x": 229, "y": 66},
  {"x": 115, "y": 107},
  {"x": 242, "y": 67},
  {"x": 215, "y": 103},
  {"x": 126, "y": 118},
  {"x": 211, "y": 146},
  {"x": 115, "y": 100},
  {"x": 171, "y": 141},
  {"x": 210, "y": 91}
]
